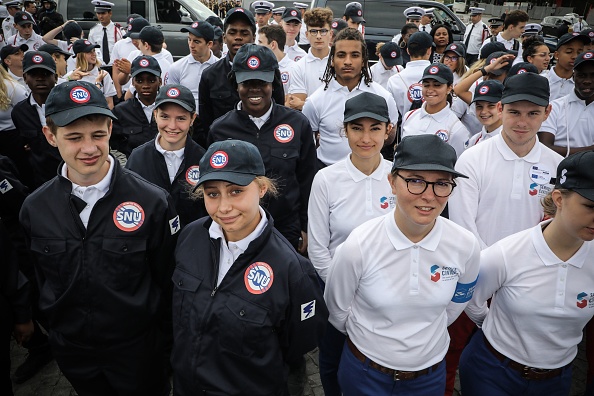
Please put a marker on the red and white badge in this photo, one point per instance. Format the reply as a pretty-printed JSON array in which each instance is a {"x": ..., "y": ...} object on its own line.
[
  {"x": 258, "y": 278},
  {"x": 284, "y": 133},
  {"x": 128, "y": 216},
  {"x": 253, "y": 62},
  {"x": 483, "y": 90},
  {"x": 219, "y": 160},
  {"x": 80, "y": 95},
  {"x": 37, "y": 59},
  {"x": 144, "y": 62},
  {"x": 193, "y": 174}
]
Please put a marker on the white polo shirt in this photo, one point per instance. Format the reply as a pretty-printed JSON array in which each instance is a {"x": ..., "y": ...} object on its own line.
[
  {"x": 445, "y": 124},
  {"x": 302, "y": 37},
  {"x": 479, "y": 32},
  {"x": 509, "y": 45},
  {"x": 482, "y": 136},
  {"x": 380, "y": 75},
  {"x": 394, "y": 297},
  {"x": 286, "y": 67},
  {"x": 540, "y": 303},
  {"x": 559, "y": 86},
  {"x": 307, "y": 73},
  {"x": 294, "y": 52},
  {"x": 123, "y": 48},
  {"x": 325, "y": 111},
  {"x": 113, "y": 33},
  {"x": 406, "y": 86},
  {"x": 16, "y": 93},
  {"x": 108, "y": 87},
  {"x": 570, "y": 113},
  {"x": 187, "y": 71},
  {"x": 502, "y": 195},
  {"x": 342, "y": 198},
  {"x": 33, "y": 42}
]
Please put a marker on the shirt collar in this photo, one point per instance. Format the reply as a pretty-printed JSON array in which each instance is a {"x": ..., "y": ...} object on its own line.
[
  {"x": 572, "y": 97},
  {"x": 102, "y": 185},
  {"x": 34, "y": 102},
  {"x": 554, "y": 78},
  {"x": 311, "y": 58},
  {"x": 440, "y": 116},
  {"x": 335, "y": 86},
  {"x": 546, "y": 254},
  {"x": 418, "y": 63},
  {"x": 216, "y": 231},
  {"x": 151, "y": 106},
  {"x": 264, "y": 116},
  {"x": 357, "y": 175},
  {"x": 210, "y": 60},
  {"x": 178, "y": 153},
  {"x": 401, "y": 242},
  {"x": 532, "y": 157}
]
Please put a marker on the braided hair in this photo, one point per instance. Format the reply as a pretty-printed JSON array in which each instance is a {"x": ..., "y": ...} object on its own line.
[{"x": 347, "y": 34}]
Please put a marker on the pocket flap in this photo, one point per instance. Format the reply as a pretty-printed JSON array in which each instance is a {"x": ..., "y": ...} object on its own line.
[
  {"x": 124, "y": 245},
  {"x": 48, "y": 246},
  {"x": 245, "y": 310},
  {"x": 284, "y": 153},
  {"x": 185, "y": 281}
]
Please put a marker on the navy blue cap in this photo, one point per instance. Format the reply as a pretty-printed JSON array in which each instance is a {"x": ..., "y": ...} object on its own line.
[
  {"x": 145, "y": 64},
  {"x": 233, "y": 161},
  {"x": 254, "y": 62},
  {"x": 200, "y": 29},
  {"x": 488, "y": 91},
  {"x": 575, "y": 173},
  {"x": 71, "y": 100},
  {"x": 178, "y": 94}
]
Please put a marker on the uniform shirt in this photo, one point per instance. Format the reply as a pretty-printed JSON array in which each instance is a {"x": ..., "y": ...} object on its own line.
[
  {"x": 148, "y": 110},
  {"x": 559, "y": 86},
  {"x": 20, "y": 80},
  {"x": 8, "y": 27},
  {"x": 173, "y": 159},
  {"x": 395, "y": 298},
  {"x": 482, "y": 136},
  {"x": 341, "y": 199},
  {"x": 122, "y": 48},
  {"x": 294, "y": 52},
  {"x": 33, "y": 42},
  {"x": 405, "y": 86},
  {"x": 540, "y": 303},
  {"x": 512, "y": 44},
  {"x": 90, "y": 194},
  {"x": 164, "y": 63},
  {"x": 286, "y": 66},
  {"x": 425, "y": 28},
  {"x": 302, "y": 37},
  {"x": 444, "y": 124},
  {"x": 325, "y": 111},
  {"x": 503, "y": 192},
  {"x": 16, "y": 92},
  {"x": 466, "y": 114},
  {"x": 114, "y": 34},
  {"x": 570, "y": 113},
  {"x": 108, "y": 88},
  {"x": 40, "y": 109},
  {"x": 479, "y": 33},
  {"x": 307, "y": 73},
  {"x": 578, "y": 27},
  {"x": 187, "y": 71},
  {"x": 380, "y": 75}
]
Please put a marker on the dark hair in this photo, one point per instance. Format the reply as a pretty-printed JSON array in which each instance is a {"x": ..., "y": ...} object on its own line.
[
  {"x": 154, "y": 46},
  {"x": 514, "y": 18},
  {"x": 94, "y": 118},
  {"x": 227, "y": 22},
  {"x": 439, "y": 25},
  {"x": 275, "y": 33},
  {"x": 529, "y": 46},
  {"x": 405, "y": 29},
  {"x": 318, "y": 17},
  {"x": 347, "y": 34}
]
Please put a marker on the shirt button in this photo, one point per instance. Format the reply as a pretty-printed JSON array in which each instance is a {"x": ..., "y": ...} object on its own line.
[
  {"x": 415, "y": 275},
  {"x": 125, "y": 248},
  {"x": 415, "y": 247},
  {"x": 242, "y": 313},
  {"x": 564, "y": 266},
  {"x": 46, "y": 249},
  {"x": 180, "y": 283}
]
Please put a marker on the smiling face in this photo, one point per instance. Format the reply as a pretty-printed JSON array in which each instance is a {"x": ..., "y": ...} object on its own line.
[
  {"x": 366, "y": 137},
  {"x": 235, "y": 208},
  {"x": 441, "y": 37},
  {"x": 84, "y": 147},
  {"x": 521, "y": 122},
  {"x": 91, "y": 58},
  {"x": 450, "y": 59},
  {"x": 256, "y": 96},
  {"x": 487, "y": 113},
  {"x": 434, "y": 92},
  {"x": 40, "y": 81},
  {"x": 173, "y": 123},
  {"x": 291, "y": 29},
  {"x": 583, "y": 77}
]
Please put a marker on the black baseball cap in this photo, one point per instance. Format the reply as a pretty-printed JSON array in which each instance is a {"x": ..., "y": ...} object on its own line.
[
  {"x": 338, "y": 24},
  {"x": 145, "y": 63},
  {"x": 178, "y": 94},
  {"x": 22, "y": 18},
  {"x": 136, "y": 26},
  {"x": 254, "y": 62},
  {"x": 391, "y": 54},
  {"x": 493, "y": 58},
  {"x": 488, "y": 91},
  {"x": 71, "y": 100},
  {"x": 291, "y": 14},
  {"x": 72, "y": 29},
  {"x": 152, "y": 35},
  {"x": 438, "y": 72},
  {"x": 83, "y": 46},
  {"x": 490, "y": 47},
  {"x": 215, "y": 21},
  {"x": 366, "y": 104},
  {"x": 38, "y": 60},
  {"x": 457, "y": 48},
  {"x": 239, "y": 12},
  {"x": 420, "y": 40},
  {"x": 522, "y": 67},
  {"x": 10, "y": 49},
  {"x": 200, "y": 29},
  {"x": 425, "y": 153},
  {"x": 575, "y": 173},
  {"x": 569, "y": 37},
  {"x": 584, "y": 57},
  {"x": 233, "y": 161},
  {"x": 588, "y": 33},
  {"x": 355, "y": 12},
  {"x": 54, "y": 49},
  {"x": 132, "y": 17},
  {"x": 526, "y": 86},
  {"x": 218, "y": 33}
]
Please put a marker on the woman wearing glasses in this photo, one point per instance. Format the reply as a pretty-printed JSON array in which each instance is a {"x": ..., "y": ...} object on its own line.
[
  {"x": 453, "y": 57},
  {"x": 399, "y": 280},
  {"x": 535, "y": 51}
]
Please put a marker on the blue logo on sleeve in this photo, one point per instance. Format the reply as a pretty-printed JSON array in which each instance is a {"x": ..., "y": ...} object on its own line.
[{"x": 464, "y": 292}]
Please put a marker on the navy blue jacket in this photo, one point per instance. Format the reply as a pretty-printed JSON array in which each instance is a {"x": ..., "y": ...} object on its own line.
[
  {"x": 237, "y": 338},
  {"x": 131, "y": 129}
]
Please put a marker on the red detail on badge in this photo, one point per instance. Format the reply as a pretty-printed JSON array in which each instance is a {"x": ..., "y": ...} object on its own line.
[
  {"x": 415, "y": 92},
  {"x": 80, "y": 95},
  {"x": 143, "y": 63},
  {"x": 87, "y": 42},
  {"x": 173, "y": 92},
  {"x": 128, "y": 216},
  {"x": 258, "y": 278},
  {"x": 334, "y": 25},
  {"x": 582, "y": 303},
  {"x": 588, "y": 55},
  {"x": 359, "y": 13},
  {"x": 284, "y": 133},
  {"x": 293, "y": 13},
  {"x": 434, "y": 70},
  {"x": 483, "y": 90},
  {"x": 193, "y": 174},
  {"x": 393, "y": 54},
  {"x": 253, "y": 62},
  {"x": 443, "y": 135},
  {"x": 195, "y": 25},
  {"x": 219, "y": 160},
  {"x": 435, "y": 277},
  {"x": 37, "y": 59},
  {"x": 453, "y": 46}
]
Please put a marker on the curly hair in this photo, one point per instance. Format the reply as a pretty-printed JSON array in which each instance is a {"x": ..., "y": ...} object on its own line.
[
  {"x": 318, "y": 17},
  {"x": 447, "y": 28},
  {"x": 347, "y": 34},
  {"x": 530, "y": 45}
]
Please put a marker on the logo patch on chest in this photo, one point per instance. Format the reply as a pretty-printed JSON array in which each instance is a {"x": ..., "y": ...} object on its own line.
[
  {"x": 193, "y": 174},
  {"x": 128, "y": 216},
  {"x": 258, "y": 278}
]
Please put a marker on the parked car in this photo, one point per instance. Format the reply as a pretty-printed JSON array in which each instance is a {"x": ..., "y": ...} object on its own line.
[
  {"x": 83, "y": 12},
  {"x": 550, "y": 24},
  {"x": 385, "y": 18}
]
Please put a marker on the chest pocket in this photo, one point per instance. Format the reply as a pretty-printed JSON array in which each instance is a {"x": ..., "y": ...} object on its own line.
[
  {"x": 132, "y": 130},
  {"x": 244, "y": 328},
  {"x": 284, "y": 160},
  {"x": 125, "y": 262},
  {"x": 52, "y": 263},
  {"x": 185, "y": 287}
]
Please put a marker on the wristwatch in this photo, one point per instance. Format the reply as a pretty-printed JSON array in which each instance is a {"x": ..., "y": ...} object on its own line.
[{"x": 99, "y": 84}]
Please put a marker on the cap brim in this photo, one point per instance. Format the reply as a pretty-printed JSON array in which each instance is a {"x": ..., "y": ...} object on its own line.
[
  {"x": 177, "y": 102},
  {"x": 134, "y": 35},
  {"x": 366, "y": 114},
  {"x": 240, "y": 179},
  {"x": 431, "y": 167},
  {"x": 527, "y": 97},
  {"x": 147, "y": 70},
  {"x": 196, "y": 33},
  {"x": 587, "y": 193},
  {"x": 490, "y": 99},
  {"x": 436, "y": 78},
  {"x": 21, "y": 23},
  {"x": 38, "y": 67},
  {"x": 241, "y": 76},
  {"x": 67, "y": 117},
  {"x": 358, "y": 19},
  {"x": 292, "y": 18},
  {"x": 390, "y": 62}
]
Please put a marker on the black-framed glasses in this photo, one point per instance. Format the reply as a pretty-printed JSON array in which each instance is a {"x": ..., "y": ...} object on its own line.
[
  {"x": 451, "y": 58},
  {"x": 314, "y": 32},
  {"x": 419, "y": 186}
]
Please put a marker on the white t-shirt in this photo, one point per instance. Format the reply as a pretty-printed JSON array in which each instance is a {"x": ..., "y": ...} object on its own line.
[
  {"x": 503, "y": 192},
  {"x": 380, "y": 75},
  {"x": 395, "y": 298},
  {"x": 108, "y": 87},
  {"x": 307, "y": 74},
  {"x": 17, "y": 93},
  {"x": 342, "y": 198},
  {"x": 482, "y": 136},
  {"x": 33, "y": 42},
  {"x": 406, "y": 86},
  {"x": 540, "y": 303}
]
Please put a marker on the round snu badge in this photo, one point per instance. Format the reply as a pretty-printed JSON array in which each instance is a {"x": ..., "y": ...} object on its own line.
[
  {"x": 393, "y": 55},
  {"x": 588, "y": 55},
  {"x": 128, "y": 216},
  {"x": 193, "y": 174},
  {"x": 143, "y": 62},
  {"x": 253, "y": 62},
  {"x": 334, "y": 25},
  {"x": 37, "y": 59},
  {"x": 173, "y": 92},
  {"x": 80, "y": 95},
  {"x": 87, "y": 42},
  {"x": 483, "y": 90},
  {"x": 284, "y": 133},
  {"x": 195, "y": 25},
  {"x": 219, "y": 160},
  {"x": 359, "y": 13},
  {"x": 434, "y": 70},
  {"x": 293, "y": 13},
  {"x": 258, "y": 277},
  {"x": 453, "y": 46},
  {"x": 522, "y": 71}
]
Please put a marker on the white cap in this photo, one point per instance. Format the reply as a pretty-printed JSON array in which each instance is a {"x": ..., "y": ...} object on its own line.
[
  {"x": 102, "y": 6},
  {"x": 262, "y": 6},
  {"x": 414, "y": 12},
  {"x": 532, "y": 28},
  {"x": 14, "y": 3},
  {"x": 429, "y": 11},
  {"x": 278, "y": 10},
  {"x": 300, "y": 5},
  {"x": 476, "y": 10}
]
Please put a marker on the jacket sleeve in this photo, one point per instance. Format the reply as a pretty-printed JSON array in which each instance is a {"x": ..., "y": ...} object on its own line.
[
  {"x": 307, "y": 314},
  {"x": 14, "y": 287},
  {"x": 306, "y": 170},
  {"x": 205, "y": 110},
  {"x": 163, "y": 243}
]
